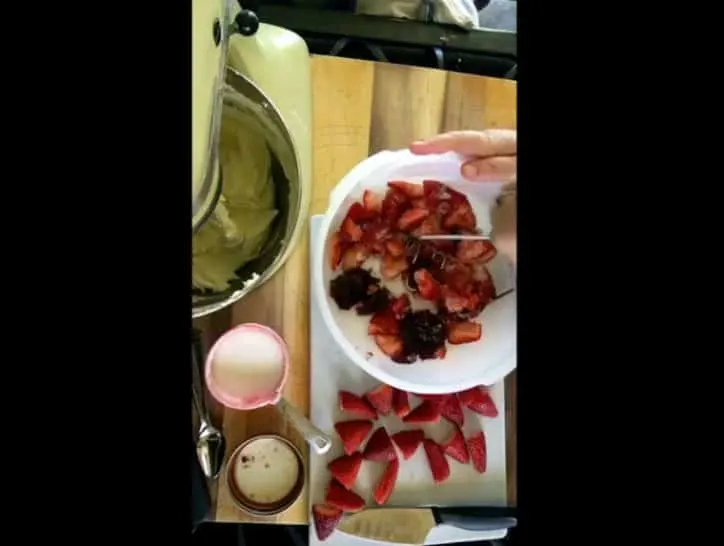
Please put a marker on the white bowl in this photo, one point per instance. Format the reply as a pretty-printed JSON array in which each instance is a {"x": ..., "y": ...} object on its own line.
[{"x": 484, "y": 362}]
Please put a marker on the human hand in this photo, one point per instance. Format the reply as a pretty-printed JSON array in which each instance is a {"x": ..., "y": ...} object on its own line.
[{"x": 491, "y": 155}]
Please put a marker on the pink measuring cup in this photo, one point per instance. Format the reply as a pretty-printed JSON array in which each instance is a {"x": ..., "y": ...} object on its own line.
[{"x": 318, "y": 440}]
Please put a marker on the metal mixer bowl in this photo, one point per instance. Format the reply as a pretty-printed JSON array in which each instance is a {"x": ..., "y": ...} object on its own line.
[{"x": 242, "y": 94}]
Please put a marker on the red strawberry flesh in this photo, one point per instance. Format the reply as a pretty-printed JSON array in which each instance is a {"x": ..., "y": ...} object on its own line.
[
  {"x": 478, "y": 451},
  {"x": 456, "y": 448},
  {"x": 326, "y": 518},
  {"x": 345, "y": 469},
  {"x": 479, "y": 401},
  {"x": 385, "y": 486},
  {"x": 356, "y": 406},
  {"x": 427, "y": 412},
  {"x": 400, "y": 403},
  {"x": 380, "y": 398},
  {"x": 408, "y": 441},
  {"x": 379, "y": 447},
  {"x": 353, "y": 433},
  {"x": 452, "y": 410},
  {"x": 342, "y": 498},
  {"x": 439, "y": 466}
]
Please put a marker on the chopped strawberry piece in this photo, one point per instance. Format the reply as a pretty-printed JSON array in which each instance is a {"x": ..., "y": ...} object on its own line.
[
  {"x": 412, "y": 218},
  {"x": 392, "y": 267},
  {"x": 479, "y": 401},
  {"x": 454, "y": 302},
  {"x": 429, "y": 226},
  {"x": 350, "y": 230},
  {"x": 393, "y": 205},
  {"x": 380, "y": 398},
  {"x": 384, "y": 322},
  {"x": 427, "y": 286},
  {"x": 392, "y": 346},
  {"x": 359, "y": 214},
  {"x": 400, "y": 306},
  {"x": 344, "y": 499},
  {"x": 356, "y": 406},
  {"x": 400, "y": 403},
  {"x": 427, "y": 412},
  {"x": 478, "y": 451},
  {"x": 461, "y": 217},
  {"x": 434, "y": 192},
  {"x": 345, "y": 468},
  {"x": 371, "y": 202},
  {"x": 408, "y": 441},
  {"x": 456, "y": 448},
  {"x": 353, "y": 433},
  {"x": 411, "y": 190},
  {"x": 440, "y": 352},
  {"x": 436, "y": 459},
  {"x": 452, "y": 410},
  {"x": 470, "y": 251},
  {"x": 384, "y": 487},
  {"x": 395, "y": 247},
  {"x": 355, "y": 256},
  {"x": 419, "y": 203},
  {"x": 326, "y": 518},
  {"x": 437, "y": 398},
  {"x": 336, "y": 249},
  {"x": 376, "y": 232},
  {"x": 464, "y": 332},
  {"x": 379, "y": 448}
]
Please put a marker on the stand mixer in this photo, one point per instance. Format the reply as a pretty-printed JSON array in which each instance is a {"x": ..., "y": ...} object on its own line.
[{"x": 264, "y": 71}]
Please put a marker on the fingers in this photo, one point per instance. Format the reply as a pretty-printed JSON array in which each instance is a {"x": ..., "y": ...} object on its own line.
[
  {"x": 491, "y": 142},
  {"x": 504, "y": 220},
  {"x": 502, "y": 168}
]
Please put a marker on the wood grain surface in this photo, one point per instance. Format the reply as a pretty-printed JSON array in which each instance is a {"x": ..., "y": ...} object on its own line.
[{"x": 360, "y": 108}]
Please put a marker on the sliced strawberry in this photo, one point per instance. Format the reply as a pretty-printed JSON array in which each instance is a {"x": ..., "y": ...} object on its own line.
[
  {"x": 419, "y": 203},
  {"x": 461, "y": 217},
  {"x": 464, "y": 332},
  {"x": 456, "y": 448},
  {"x": 356, "y": 406},
  {"x": 412, "y": 218},
  {"x": 400, "y": 306},
  {"x": 395, "y": 247},
  {"x": 427, "y": 286},
  {"x": 437, "y": 398},
  {"x": 371, "y": 201},
  {"x": 350, "y": 231},
  {"x": 413, "y": 191},
  {"x": 384, "y": 322},
  {"x": 478, "y": 451},
  {"x": 392, "y": 346},
  {"x": 391, "y": 267},
  {"x": 429, "y": 226},
  {"x": 336, "y": 249},
  {"x": 345, "y": 468},
  {"x": 436, "y": 459},
  {"x": 359, "y": 214},
  {"x": 453, "y": 302},
  {"x": 478, "y": 400},
  {"x": 380, "y": 398},
  {"x": 376, "y": 232},
  {"x": 408, "y": 441},
  {"x": 452, "y": 410},
  {"x": 393, "y": 205},
  {"x": 344, "y": 499},
  {"x": 434, "y": 192},
  {"x": 427, "y": 412},
  {"x": 384, "y": 487},
  {"x": 470, "y": 251},
  {"x": 353, "y": 433},
  {"x": 380, "y": 447},
  {"x": 355, "y": 256},
  {"x": 400, "y": 403},
  {"x": 326, "y": 518}
]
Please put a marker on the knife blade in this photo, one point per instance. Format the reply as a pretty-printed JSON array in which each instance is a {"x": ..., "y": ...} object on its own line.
[
  {"x": 465, "y": 237},
  {"x": 412, "y": 525}
]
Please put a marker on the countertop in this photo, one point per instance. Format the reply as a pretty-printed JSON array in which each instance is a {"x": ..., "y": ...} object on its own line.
[{"x": 359, "y": 108}]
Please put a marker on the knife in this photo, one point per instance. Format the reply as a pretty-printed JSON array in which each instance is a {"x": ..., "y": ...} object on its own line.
[
  {"x": 412, "y": 525},
  {"x": 454, "y": 237}
]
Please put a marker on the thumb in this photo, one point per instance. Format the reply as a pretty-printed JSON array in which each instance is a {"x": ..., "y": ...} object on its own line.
[{"x": 499, "y": 168}]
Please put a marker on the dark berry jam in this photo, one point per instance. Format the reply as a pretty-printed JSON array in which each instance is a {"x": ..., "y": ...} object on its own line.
[
  {"x": 352, "y": 287},
  {"x": 423, "y": 332},
  {"x": 378, "y": 300}
]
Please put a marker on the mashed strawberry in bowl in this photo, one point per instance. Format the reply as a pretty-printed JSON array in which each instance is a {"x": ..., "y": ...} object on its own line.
[{"x": 427, "y": 317}]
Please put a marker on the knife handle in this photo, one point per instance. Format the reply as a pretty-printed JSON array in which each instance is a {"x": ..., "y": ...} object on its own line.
[{"x": 475, "y": 518}]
